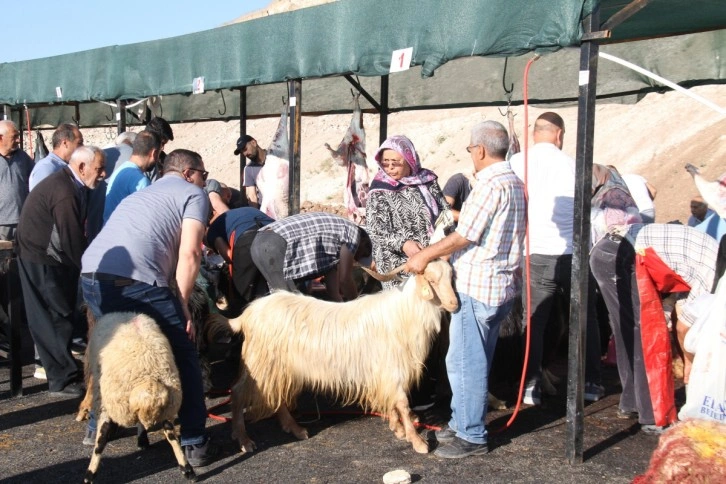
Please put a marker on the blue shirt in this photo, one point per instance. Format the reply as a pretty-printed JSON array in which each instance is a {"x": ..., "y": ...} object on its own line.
[
  {"x": 237, "y": 221},
  {"x": 47, "y": 166},
  {"x": 126, "y": 179}
]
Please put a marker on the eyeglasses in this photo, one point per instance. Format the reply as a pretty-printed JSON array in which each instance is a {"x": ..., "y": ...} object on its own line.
[
  {"x": 205, "y": 174},
  {"x": 385, "y": 166},
  {"x": 471, "y": 147}
]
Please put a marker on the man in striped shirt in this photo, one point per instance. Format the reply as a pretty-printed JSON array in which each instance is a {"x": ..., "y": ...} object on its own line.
[{"x": 486, "y": 251}]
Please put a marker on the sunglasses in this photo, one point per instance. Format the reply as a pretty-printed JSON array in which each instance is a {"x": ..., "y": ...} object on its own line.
[{"x": 205, "y": 174}]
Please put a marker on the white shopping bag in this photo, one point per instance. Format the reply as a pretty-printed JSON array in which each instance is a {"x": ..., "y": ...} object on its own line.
[{"x": 706, "y": 392}]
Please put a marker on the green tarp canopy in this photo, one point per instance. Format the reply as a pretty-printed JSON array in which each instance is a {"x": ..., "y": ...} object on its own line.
[{"x": 458, "y": 57}]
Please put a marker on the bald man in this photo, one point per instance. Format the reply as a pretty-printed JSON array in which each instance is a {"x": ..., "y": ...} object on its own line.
[{"x": 550, "y": 208}]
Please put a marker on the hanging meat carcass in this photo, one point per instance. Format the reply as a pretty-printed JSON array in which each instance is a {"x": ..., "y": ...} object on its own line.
[
  {"x": 351, "y": 153},
  {"x": 273, "y": 181}
]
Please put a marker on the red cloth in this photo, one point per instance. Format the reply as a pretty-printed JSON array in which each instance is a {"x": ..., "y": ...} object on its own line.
[{"x": 654, "y": 277}]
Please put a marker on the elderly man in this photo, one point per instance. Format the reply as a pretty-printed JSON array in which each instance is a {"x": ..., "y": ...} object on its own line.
[
  {"x": 66, "y": 138},
  {"x": 15, "y": 169},
  {"x": 50, "y": 243},
  {"x": 699, "y": 211},
  {"x": 129, "y": 176},
  {"x": 551, "y": 197},
  {"x": 146, "y": 261},
  {"x": 302, "y": 247},
  {"x": 486, "y": 246}
]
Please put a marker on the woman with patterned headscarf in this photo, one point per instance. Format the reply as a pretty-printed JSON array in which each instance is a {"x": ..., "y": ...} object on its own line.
[{"x": 403, "y": 203}]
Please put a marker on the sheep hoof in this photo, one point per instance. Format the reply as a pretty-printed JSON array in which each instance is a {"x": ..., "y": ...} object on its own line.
[
  {"x": 82, "y": 415},
  {"x": 301, "y": 433},
  {"x": 188, "y": 473},
  {"x": 248, "y": 447},
  {"x": 142, "y": 442},
  {"x": 420, "y": 446}
]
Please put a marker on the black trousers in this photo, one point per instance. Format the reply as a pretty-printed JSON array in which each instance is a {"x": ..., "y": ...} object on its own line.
[
  {"x": 268, "y": 254},
  {"x": 50, "y": 297}
]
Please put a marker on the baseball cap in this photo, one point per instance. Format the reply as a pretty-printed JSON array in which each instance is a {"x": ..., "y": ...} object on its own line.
[{"x": 242, "y": 142}]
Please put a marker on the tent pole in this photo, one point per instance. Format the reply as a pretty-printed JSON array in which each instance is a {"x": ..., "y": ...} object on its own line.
[
  {"x": 121, "y": 116},
  {"x": 242, "y": 132},
  {"x": 383, "y": 130},
  {"x": 294, "y": 90},
  {"x": 580, "y": 279},
  {"x": 20, "y": 127}
]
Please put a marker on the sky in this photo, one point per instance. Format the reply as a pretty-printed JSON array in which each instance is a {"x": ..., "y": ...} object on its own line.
[{"x": 50, "y": 27}]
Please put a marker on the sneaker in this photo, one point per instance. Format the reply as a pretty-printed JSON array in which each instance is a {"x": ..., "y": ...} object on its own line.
[
  {"x": 78, "y": 347},
  {"x": 652, "y": 429},
  {"x": 74, "y": 389},
  {"x": 594, "y": 392},
  {"x": 445, "y": 435},
  {"x": 201, "y": 455},
  {"x": 90, "y": 437},
  {"x": 627, "y": 414},
  {"x": 531, "y": 396},
  {"x": 458, "y": 448},
  {"x": 40, "y": 373}
]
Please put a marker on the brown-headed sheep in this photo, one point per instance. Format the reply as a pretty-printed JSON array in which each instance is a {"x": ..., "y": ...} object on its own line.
[
  {"x": 135, "y": 380},
  {"x": 368, "y": 351}
]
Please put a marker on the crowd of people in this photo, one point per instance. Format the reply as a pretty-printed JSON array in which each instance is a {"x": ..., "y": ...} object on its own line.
[{"x": 125, "y": 229}]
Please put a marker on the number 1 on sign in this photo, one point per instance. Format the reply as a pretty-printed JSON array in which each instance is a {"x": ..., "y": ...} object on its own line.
[{"x": 401, "y": 59}]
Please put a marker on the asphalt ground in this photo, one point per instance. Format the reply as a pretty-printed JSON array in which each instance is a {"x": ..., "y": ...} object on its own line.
[{"x": 41, "y": 442}]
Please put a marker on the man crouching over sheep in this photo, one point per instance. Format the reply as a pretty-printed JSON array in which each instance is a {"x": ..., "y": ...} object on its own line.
[
  {"x": 486, "y": 252},
  {"x": 155, "y": 236}
]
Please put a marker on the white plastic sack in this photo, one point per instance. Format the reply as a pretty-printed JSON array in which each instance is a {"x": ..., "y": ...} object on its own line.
[
  {"x": 442, "y": 226},
  {"x": 706, "y": 392}
]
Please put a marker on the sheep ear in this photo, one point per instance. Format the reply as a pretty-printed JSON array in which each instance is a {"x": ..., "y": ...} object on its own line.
[{"x": 424, "y": 288}]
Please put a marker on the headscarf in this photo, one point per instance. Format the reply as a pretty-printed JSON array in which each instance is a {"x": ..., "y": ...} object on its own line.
[
  {"x": 419, "y": 177},
  {"x": 612, "y": 204}
]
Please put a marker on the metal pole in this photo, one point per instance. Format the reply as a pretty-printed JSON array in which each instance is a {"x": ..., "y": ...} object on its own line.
[
  {"x": 294, "y": 89},
  {"x": 383, "y": 131},
  {"x": 121, "y": 116},
  {"x": 242, "y": 132},
  {"x": 6, "y": 112},
  {"x": 581, "y": 242},
  {"x": 20, "y": 127}
]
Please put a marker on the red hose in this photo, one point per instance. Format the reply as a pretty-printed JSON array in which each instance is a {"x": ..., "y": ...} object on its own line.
[{"x": 526, "y": 248}]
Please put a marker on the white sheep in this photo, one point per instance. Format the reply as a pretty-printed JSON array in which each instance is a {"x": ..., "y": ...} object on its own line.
[
  {"x": 135, "y": 380},
  {"x": 369, "y": 351}
]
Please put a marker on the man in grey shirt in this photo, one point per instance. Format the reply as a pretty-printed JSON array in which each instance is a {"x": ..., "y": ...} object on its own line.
[{"x": 15, "y": 169}]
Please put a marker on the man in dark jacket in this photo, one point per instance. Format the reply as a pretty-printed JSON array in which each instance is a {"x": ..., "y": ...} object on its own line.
[{"x": 51, "y": 240}]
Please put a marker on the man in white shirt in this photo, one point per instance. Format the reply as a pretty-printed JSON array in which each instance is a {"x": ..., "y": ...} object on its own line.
[{"x": 551, "y": 197}]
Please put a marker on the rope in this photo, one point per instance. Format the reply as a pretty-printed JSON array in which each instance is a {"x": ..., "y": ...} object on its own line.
[{"x": 30, "y": 132}]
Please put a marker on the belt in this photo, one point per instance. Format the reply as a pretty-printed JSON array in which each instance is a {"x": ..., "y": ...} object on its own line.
[{"x": 118, "y": 281}]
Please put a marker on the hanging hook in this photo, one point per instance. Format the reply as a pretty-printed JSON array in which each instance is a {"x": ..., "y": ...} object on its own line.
[
  {"x": 224, "y": 103},
  {"x": 508, "y": 92},
  {"x": 112, "y": 114}
]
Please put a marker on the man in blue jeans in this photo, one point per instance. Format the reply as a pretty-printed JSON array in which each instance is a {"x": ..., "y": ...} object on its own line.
[
  {"x": 486, "y": 250},
  {"x": 152, "y": 242}
]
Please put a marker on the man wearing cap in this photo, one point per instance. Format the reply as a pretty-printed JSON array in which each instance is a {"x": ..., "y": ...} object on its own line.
[
  {"x": 247, "y": 146},
  {"x": 265, "y": 178},
  {"x": 161, "y": 127},
  {"x": 550, "y": 208}
]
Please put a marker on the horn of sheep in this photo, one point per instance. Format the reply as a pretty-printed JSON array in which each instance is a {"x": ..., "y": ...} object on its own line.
[{"x": 388, "y": 276}]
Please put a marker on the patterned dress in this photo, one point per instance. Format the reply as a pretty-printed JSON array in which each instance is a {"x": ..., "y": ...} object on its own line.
[{"x": 393, "y": 217}]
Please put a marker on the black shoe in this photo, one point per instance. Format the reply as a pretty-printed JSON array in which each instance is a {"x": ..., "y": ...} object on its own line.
[
  {"x": 627, "y": 414},
  {"x": 445, "y": 435},
  {"x": 458, "y": 448},
  {"x": 74, "y": 389},
  {"x": 201, "y": 455}
]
